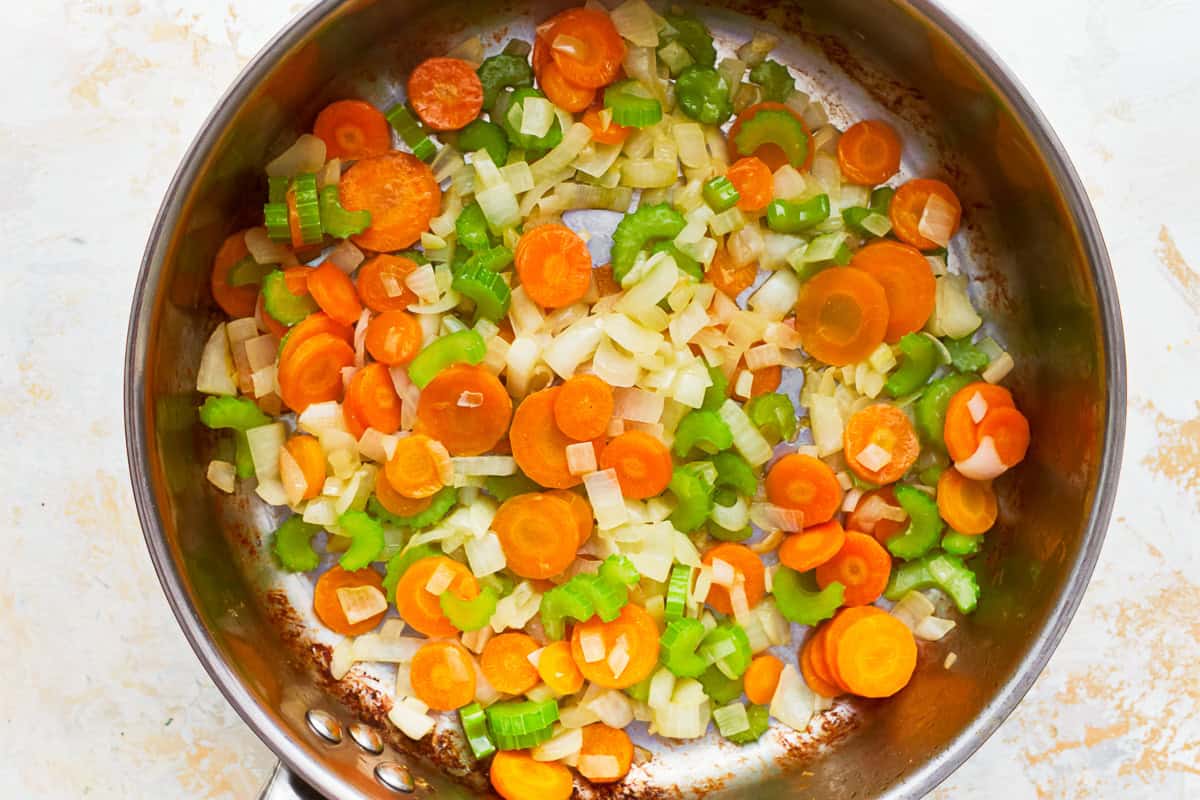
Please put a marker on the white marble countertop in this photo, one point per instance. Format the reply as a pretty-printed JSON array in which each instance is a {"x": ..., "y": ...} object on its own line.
[{"x": 100, "y": 101}]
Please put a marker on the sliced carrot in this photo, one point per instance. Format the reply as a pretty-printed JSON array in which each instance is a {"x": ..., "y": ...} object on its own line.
[
  {"x": 805, "y": 484},
  {"x": 581, "y": 512},
  {"x": 554, "y": 265},
  {"x": 766, "y": 380},
  {"x": 876, "y": 656},
  {"x": 642, "y": 462},
  {"x": 312, "y": 372},
  {"x": 727, "y": 276},
  {"x": 540, "y": 56},
  {"x": 505, "y": 663},
  {"x": 842, "y": 315},
  {"x": 808, "y": 668},
  {"x": 516, "y": 776},
  {"x": 294, "y": 228},
  {"x": 833, "y": 633},
  {"x": 353, "y": 129},
  {"x": 466, "y": 408},
  {"x": 296, "y": 281},
  {"x": 813, "y": 546},
  {"x": 862, "y": 566},
  {"x": 881, "y": 529},
  {"x": 418, "y": 465},
  {"x": 967, "y": 506},
  {"x": 236, "y": 301},
  {"x": 584, "y": 407},
  {"x": 907, "y": 280},
  {"x": 307, "y": 452},
  {"x": 557, "y": 669},
  {"x": 770, "y": 153},
  {"x": 746, "y": 564},
  {"x": 538, "y": 446},
  {"x": 530, "y": 531},
  {"x": 309, "y": 327},
  {"x": 394, "y": 337},
  {"x": 382, "y": 283},
  {"x": 352, "y": 416},
  {"x": 373, "y": 397},
  {"x": 604, "y": 740},
  {"x": 334, "y": 292},
  {"x": 754, "y": 182},
  {"x": 908, "y": 205},
  {"x": 328, "y": 607},
  {"x": 820, "y": 663},
  {"x": 395, "y": 502},
  {"x": 422, "y": 609},
  {"x": 1009, "y": 430},
  {"x": 885, "y": 427},
  {"x": 562, "y": 92},
  {"x": 400, "y": 192},
  {"x": 641, "y": 642},
  {"x": 612, "y": 133},
  {"x": 869, "y": 152},
  {"x": 443, "y": 675},
  {"x": 586, "y": 46},
  {"x": 446, "y": 93},
  {"x": 762, "y": 678},
  {"x": 962, "y": 431}
]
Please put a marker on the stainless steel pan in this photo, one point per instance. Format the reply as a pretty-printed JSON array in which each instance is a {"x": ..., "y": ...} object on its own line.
[{"x": 1031, "y": 241}]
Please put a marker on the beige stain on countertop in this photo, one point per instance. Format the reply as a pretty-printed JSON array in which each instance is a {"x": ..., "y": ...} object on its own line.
[
  {"x": 1186, "y": 279},
  {"x": 1176, "y": 454}
]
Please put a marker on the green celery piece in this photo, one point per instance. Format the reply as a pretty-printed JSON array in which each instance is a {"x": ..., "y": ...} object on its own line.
[
  {"x": 735, "y": 472},
  {"x": 695, "y": 38},
  {"x": 941, "y": 571},
  {"x": 920, "y": 359},
  {"x": 439, "y": 507},
  {"x": 924, "y": 526},
  {"x": 721, "y": 194},
  {"x": 930, "y": 410},
  {"x": 570, "y": 599},
  {"x": 682, "y": 260},
  {"x": 965, "y": 356},
  {"x": 277, "y": 189},
  {"x": 517, "y": 717},
  {"x": 785, "y": 216},
  {"x": 774, "y": 126},
  {"x": 717, "y": 392},
  {"x": 366, "y": 543},
  {"x": 638, "y": 228},
  {"x": 694, "y": 496},
  {"x": 458, "y": 347},
  {"x": 678, "y": 645},
  {"x": 398, "y": 564},
  {"x": 522, "y": 741},
  {"x": 726, "y": 535},
  {"x": 760, "y": 720},
  {"x": 469, "y": 615},
  {"x": 474, "y": 724},
  {"x": 632, "y": 105},
  {"x": 510, "y": 120},
  {"x": 471, "y": 228},
  {"x": 720, "y": 687},
  {"x": 483, "y": 135},
  {"x": 236, "y": 413},
  {"x": 502, "y": 584},
  {"x": 485, "y": 288},
  {"x": 607, "y": 597},
  {"x": 776, "y": 82},
  {"x": 619, "y": 569},
  {"x": 736, "y": 663},
  {"x": 500, "y": 72},
  {"x": 703, "y": 430},
  {"x": 248, "y": 272},
  {"x": 704, "y": 95},
  {"x": 881, "y": 200},
  {"x": 640, "y": 691},
  {"x": 774, "y": 416},
  {"x": 308, "y": 207},
  {"x": 275, "y": 218},
  {"x": 411, "y": 131},
  {"x": 800, "y": 601},
  {"x": 959, "y": 544},
  {"x": 281, "y": 304},
  {"x": 502, "y": 487},
  {"x": 336, "y": 220},
  {"x": 678, "y": 586},
  {"x": 293, "y": 544},
  {"x": 243, "y": 461}
]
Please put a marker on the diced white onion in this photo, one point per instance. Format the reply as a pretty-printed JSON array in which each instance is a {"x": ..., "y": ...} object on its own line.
[
  {"x": 984, "y": 464},
  {"x": 499, "y": 206},
  {"x": 763, "y": 356},
  {"x": 850, "y": 501},
  {"x": 953, "y": 313},
  {"x": 574, "y": 140},
  {"x": 746, "y": 245},
  {"x": 912, "y": 609},
  {"x": 938, "y": 220},
  {"x": 537, "y": 117},
  {"x": 978, "y": 407},
  {"x": 485, "y": 555},
  {"x": 613, "y": 366},
  {"x": 440, "y": 580},
  {"x": 738, "y": 600},
  {"x": 931, "y": 629},
  {"x": 777, "y": 297},
  {"x": 360, "y": 603},
  {"x": 271, "y": 491},
  {"x": 320, "y": 511},
  {"x": 265, "y": 442},
  {"x": 769, "y": 516},
  {"x": 599, "y": 767},
  {"x": 998, "y": 370},
  {"x": 638, "y": 405},
  {"x": 292, "y": 477},
  {"x": 266, "y": 250},
  {"x": 723, "y": 573},
  {"x": 789, "y": 183},
  {"x": 581, "y": 458},
  {"x": 484, "y": 465},
  {"x": 222, "y": 475},
  {"x": 662, "y": 686},
  {"x": 873, "y": 457},
  {"x": 592, "y": 645},
  {"x": 604, "y": 494},
  {"x": 746, "y": 438},
  {"x": 793, "y": 702},
  {"x": 406, "y": 714},
  {"x": 306, "y": 155},
  {"x": 573, "y": 346},
  {"x": 734, "y": 517},
  {"x": 564, "y": 744},
  {"x": 216, "y": 374},
  {"x": 637, "y": 22},
  {"x": 346, "y": 257}
]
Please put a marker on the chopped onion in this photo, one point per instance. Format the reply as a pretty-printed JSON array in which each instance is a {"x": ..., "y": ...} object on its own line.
[
  {"x": 577, "y": 716},
  {"x": 265, "y": 443},
  {"x": 523, "y": 355},
  {"x": 738, "y": 600},
  {"x": 306, "y": 155},
  {"x": 572, "y": 144},
  {"x": 682, "y": 722},
  {"x": 637, "y": 22},
  {"x": 618, "y": 660},
  {"x": 938, "y": 220},
  {"x": 978, "y": 407},
  {"x": 591, "y": 643},
  {"x": 222, "y": 475},
  {"x": 630, "y": 335},
  {"x": 912, "y": 609},
  {"x": 753, "y": 53},
  {"x": 789, "y": 183},
  {"x": 485, "y": 555},
  {"x": 984, "y": 464},
  {"x": 746, "y": 438},
  {"x": 689, "y": 322},
  {"x": 361, "y": 603},
  {"x": 613, "y": 366},
  {"x": 469, "y": 399},
  {"x": 953, "y": 314},
  {"x": 271, "y": 491},
  {"x": 793, "y": 701},
  {"x": 951, "y": 657},
  {"x": 360, "y": 338},
  {"x": 499, "y": 205},
  {"x": 597, "y": 159},
  {"x": 727, "y": 221},
  {"x": 342, "y": 658},
  {"x": 406, "y": 714},
  {"x": 604, "y": 494},
  {"x": 827, "y": 424},
  {"x": 581, "y": 458},
  {"x": 648, "y": 173},
  {"x": 999, "y": 368},
  {"x": 931, "y": 629},
  {"x": 292, "y": 477},
  {"x": 769, "y": 517},
  {"x": 690, "y": 144},
  {"x": 475, "y": 641},
  {"x": 524, "y": 314},
  {"x": 746, "y": 245},
  {"x": 723, "y": 573},
  {"x": 638, "y": 405},
  {"x": 776, "y": 298},
  {"x": 266, "y": 250},
  {"x": 599, "y": 767},
  {"x": 573, "y": 346},
  {"x": 662, "y": 686},
  {"x": 346, "y": 257},
  {"x": 763, "y": 356},
  {"x": 321, "y": 417},
  {"x": 440, "y": 580},
  {"x": 873, "y": 457},
  {"x": 321, "y": 511},
  {"x": 409, "y": 394},
  {"x": 330, "y": 174},
  {"x": 565, "y": 743},
  {"x": 484, "y": 465},
  {"x": 850, "y": 501},
  {"x": 216, "y": 374},
  {"x": 538, "y": 115},
  {"x": 423, "y": 283}
]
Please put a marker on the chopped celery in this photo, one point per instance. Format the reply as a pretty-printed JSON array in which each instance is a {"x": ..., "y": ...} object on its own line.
[
  {"x": 959, "y": 544},
  {"x": 469, "y": 615},
  {"x": 293, "y": 545},
  {"x": 237, "y": 413},
  {"x": 474, "y": 724},
  {"x": 941, "y": 571},
  {"x": 703, "y": 430},
  {"x": 366, "y": 543},
  {"x": 638, "y": 228},
  {"x": 679, "y": 643},
  {"x": 921, "y": 358},
  {"x": 930, "y": 410},
  {"x": 398, "y": 564},
  {"x": 503, "y": 487},
  {"x": 774, "y": 416},
  {"x": 465, "y": 346},
  {"x": 281, "y": 304},
  {"x": 799, "y": 600},
  {"x": 924, "y": 524},
  {"x": 760, "y": 720},
  {"x": 694, "y": 496},
  {"x": 735, "y": 472}
]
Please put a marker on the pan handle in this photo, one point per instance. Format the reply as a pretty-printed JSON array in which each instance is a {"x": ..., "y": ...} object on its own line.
[{"x": 283, "y": 785}]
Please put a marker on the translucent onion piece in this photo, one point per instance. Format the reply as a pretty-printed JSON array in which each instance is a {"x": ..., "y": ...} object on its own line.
[
  {"x": 222, "y": 475},
  {"x": 984, "y": 464},
  {"x": 306, "y": 155}
]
